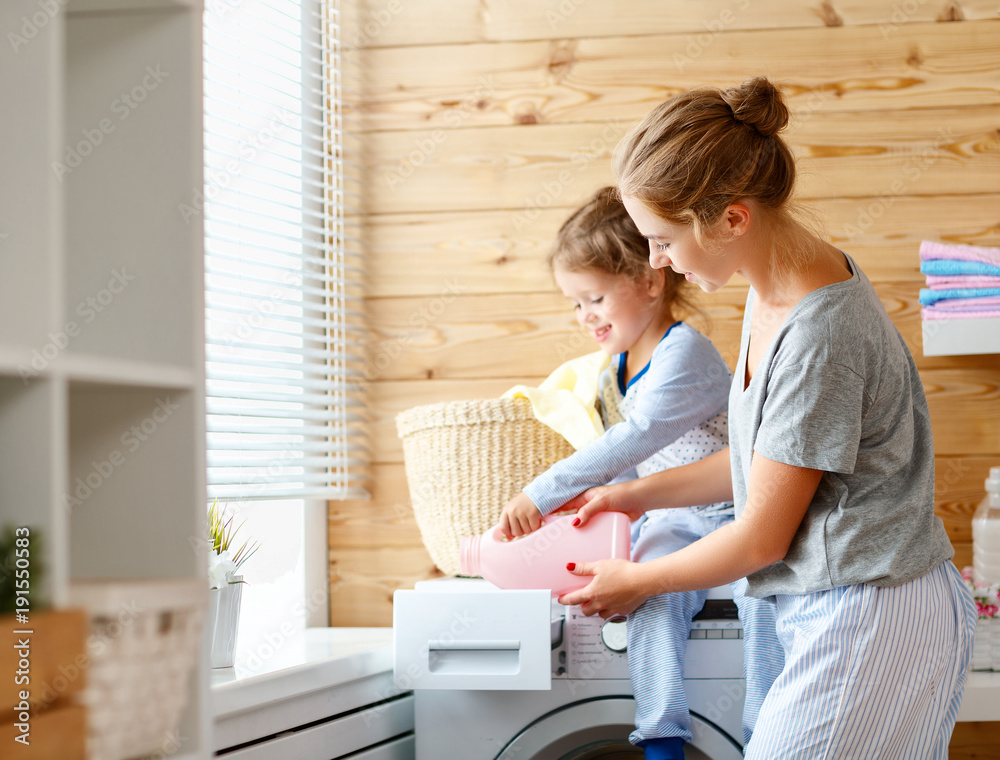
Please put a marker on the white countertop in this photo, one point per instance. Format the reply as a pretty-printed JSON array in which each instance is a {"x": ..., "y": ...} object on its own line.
[
  {"x": 318, "y": 658},
  {"x": 981, "y": 700}
]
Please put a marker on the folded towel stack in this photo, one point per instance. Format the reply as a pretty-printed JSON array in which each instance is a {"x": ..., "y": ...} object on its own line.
[{"x": 963, "y": 281}]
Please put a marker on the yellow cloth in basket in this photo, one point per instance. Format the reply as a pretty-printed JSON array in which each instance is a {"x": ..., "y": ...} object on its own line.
[{"x": 566, "y": 400}]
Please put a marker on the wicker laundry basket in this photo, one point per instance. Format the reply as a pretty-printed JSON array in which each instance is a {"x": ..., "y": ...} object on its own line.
[
  {"x": 143, "y": 647},
  {"x": 465, "y": 460}
]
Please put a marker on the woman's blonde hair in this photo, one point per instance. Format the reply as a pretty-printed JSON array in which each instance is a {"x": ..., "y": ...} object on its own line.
[
  {"x": 695, "y": 154},
  {"x": 601, "y": 235}
]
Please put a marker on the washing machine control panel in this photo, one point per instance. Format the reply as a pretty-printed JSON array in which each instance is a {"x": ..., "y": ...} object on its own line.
[
  {"x": 590, "y": 652},
  {"x": 592, "y": 648}
]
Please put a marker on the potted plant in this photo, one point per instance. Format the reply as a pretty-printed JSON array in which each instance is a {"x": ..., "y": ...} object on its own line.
[{"x": 225, "y": 582}]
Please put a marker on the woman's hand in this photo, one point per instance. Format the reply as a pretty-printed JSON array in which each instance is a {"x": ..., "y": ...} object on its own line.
[
  {"x": 520, "y": 517},
  {"x": 615, "y": 498},
  {"x": 616, "y": 588}
]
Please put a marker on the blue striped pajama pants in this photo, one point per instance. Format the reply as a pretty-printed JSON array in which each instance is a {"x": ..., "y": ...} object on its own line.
[
  {"x": 658, "y": 632},
  {"x": 870, "y": 672}
]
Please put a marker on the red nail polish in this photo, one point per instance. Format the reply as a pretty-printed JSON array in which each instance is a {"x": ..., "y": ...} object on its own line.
[
  {"x": 571, "y": 566},
  {"x": 576, "y": 521}
]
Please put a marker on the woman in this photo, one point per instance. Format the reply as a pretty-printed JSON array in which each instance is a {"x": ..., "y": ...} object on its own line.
[{"x": 830, "y": 462}]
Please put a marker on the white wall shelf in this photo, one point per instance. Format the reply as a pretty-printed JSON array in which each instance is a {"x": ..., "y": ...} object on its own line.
[
  {"x": 101, "y": 297},
  {"x": 90, "y": 6},
  {"x": 981, "y": 701},
  {"x": 100, "y": 369},
  {"x": 953, "y": 337}
]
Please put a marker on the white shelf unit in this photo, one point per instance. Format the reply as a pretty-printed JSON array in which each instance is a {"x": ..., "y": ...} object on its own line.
[
  {"x": 101, "y": 296},
  {"x": 954, "y": 337}
]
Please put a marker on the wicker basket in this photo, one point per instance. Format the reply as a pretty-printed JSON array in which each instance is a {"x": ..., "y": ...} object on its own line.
[
  {"x": 465, "y": 460},
  {"x": 143, "y": 645}
]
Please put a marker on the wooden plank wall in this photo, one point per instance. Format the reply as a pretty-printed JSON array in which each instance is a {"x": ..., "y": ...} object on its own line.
[{"x": 484, "y": 123}]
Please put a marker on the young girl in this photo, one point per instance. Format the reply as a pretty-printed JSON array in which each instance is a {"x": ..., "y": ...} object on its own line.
[
  {"x": 831, "y": 461},
  {"x": 663, "y": 401}
]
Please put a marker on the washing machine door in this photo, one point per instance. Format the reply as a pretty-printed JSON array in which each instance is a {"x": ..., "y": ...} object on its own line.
[{"x": 598, "y": 729}]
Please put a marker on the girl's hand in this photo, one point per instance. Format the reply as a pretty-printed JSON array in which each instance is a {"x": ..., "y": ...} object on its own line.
[
  {"x": 520, "y": 517},
  {"x": 614, "y": 498},
  {"x": 616, "y": 588}
]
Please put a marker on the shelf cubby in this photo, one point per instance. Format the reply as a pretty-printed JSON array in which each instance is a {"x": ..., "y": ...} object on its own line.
[
  {"x": 132, "y": 481},
  {"x": 30, "y": 197},
  {"x": 130, "y": 283}
]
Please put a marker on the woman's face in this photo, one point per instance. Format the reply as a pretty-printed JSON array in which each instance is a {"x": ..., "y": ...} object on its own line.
[{"x": 675, "y": 246}]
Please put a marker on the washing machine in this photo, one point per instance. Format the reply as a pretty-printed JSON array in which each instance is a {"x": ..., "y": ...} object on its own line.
[{"x": 513, "y": 675}]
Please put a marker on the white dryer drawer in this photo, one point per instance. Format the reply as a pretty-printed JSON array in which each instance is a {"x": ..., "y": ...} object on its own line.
[
  {"x": 486, "y": 639},
  {"x": 388, "y": 725}
]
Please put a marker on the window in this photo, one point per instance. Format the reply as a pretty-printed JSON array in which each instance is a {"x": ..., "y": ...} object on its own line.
[{"x": 283, "y": 333}]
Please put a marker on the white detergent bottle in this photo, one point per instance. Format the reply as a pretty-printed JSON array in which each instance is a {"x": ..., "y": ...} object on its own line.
[{"x": 986, "y": 533}]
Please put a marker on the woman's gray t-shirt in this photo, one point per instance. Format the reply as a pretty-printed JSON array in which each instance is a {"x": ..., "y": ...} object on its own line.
[{"x": 837, "y": 390}]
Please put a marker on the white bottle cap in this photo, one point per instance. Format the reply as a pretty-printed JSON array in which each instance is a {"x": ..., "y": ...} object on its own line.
[{"x": 993, "y": 481}]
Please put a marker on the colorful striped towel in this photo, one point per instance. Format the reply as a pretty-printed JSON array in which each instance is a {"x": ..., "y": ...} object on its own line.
[
  {"x": 931, "y": 250},
  {"x": 973, "y": 312},
  {"x": 953, "y": 267},
  {"x": 928, "y": 296},
  {"x": 935, "y": 282},
  {"x": 969, "y": 304}
]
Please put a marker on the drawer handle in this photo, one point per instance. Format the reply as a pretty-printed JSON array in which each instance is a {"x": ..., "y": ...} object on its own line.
[{"x": 438, "y": 645}]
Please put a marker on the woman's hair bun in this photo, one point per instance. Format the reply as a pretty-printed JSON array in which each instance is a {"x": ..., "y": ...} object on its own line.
[{"x": 758, "y": 103}]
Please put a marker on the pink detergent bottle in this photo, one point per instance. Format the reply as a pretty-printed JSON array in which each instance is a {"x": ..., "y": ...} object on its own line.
[{"x": 538, "y": 560}]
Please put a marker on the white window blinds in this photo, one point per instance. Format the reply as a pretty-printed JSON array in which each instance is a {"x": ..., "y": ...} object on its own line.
[{"x": 284, "y": 337}]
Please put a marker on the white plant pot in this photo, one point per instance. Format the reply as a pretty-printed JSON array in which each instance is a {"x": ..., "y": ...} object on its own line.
[{"x": 223, "y": 622}]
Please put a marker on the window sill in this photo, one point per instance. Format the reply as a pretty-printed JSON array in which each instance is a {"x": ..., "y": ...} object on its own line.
[{"x": 316, "y": 674}]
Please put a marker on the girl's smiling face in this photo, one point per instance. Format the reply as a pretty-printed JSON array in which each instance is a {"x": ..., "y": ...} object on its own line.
[
  {"x": 675, "y": 246},
  {"x": 617, "y": 312}
]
